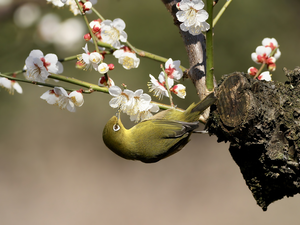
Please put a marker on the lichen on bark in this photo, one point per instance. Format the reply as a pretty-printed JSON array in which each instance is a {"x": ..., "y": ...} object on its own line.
[{"x": 261, "y": 121}]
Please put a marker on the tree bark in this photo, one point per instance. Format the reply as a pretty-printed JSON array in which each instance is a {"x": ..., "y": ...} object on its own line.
[{"x": 261, "y": 121}]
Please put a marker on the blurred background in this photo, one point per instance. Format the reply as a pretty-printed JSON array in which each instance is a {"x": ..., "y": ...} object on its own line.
[{"x": 54, "y": 167}]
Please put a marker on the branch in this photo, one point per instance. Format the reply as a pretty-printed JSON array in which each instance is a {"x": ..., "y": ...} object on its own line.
[{"x": 196, "y": 49}]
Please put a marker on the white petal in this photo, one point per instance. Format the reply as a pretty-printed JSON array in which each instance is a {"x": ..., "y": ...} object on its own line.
[
  {"x": 36, "y": 53},
  {"x": 119, "y": 24},
  {"x": 115, "y": 91},
  {"x": 254, "y": 56},
  {"x": 60, "y": 91},
  {"x": 118, "y": 53},
  {"x": 71, "y": 107},
  {"x": 114, "y": 102},
  {"x": 52, "y": 58},
  {"x": 17, "y": 87}
]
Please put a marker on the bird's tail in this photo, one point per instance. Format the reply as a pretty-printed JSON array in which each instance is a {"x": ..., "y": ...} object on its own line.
[{"x": 204, "y": 104}]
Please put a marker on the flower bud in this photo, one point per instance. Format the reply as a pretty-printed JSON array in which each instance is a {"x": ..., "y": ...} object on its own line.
[
  {"x": 87, "y": 37},
  {"x": 252, "y": 71}
]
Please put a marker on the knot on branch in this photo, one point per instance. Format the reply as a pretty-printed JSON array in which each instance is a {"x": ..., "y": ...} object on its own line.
[{"x": 261, "y": 120}]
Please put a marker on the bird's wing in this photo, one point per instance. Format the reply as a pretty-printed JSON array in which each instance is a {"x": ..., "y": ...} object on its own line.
[{"x": 174, "y": 129}]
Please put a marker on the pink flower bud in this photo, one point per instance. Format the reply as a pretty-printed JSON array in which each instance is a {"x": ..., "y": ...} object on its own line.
[
  {"x": 87, "y": 6},
  {"x": 87, "y": 37},
  {"x": 111, "y": 66},
  {"x": 252, "y": 71},
  {"x": 272, "y": 67},
  {"x": 271, "y": 60}
]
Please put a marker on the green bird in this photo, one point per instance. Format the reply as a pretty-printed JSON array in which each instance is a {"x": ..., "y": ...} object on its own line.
[{"x": 158, "y": 137}]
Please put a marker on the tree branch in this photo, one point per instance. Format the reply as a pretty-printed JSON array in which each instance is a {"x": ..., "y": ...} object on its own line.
[{"x": 196, "y": 49}]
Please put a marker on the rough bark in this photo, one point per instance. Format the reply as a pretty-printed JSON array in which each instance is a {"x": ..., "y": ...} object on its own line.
[{"x": 261, "y": 121}]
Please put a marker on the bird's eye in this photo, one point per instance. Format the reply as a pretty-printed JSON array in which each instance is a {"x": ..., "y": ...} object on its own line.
[{"x": 116, "y": 127}]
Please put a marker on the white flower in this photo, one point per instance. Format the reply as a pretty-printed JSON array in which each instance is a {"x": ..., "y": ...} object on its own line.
[
  {"x": 10, "y": 85},
  {"x": 74, "y": 8},
  {"x": 265, "y": 76},
  {"x": 261, "y": 54},
  {"x": 127, "y": 59},
  {"x": 146, "y": 114},
  {"x": 193, "y": 16},
  {"x": 50, "y": 97},
  {"x": 39, "y": 66},
  {"x": 179, "y": 90},
  {"x": 57, "y": 3},
  {"x": 135, "y": 104},
  {"x": 172, "y": 68},
  {"x": 112, "y": 32},
  {"x": 102, "y": 82},
  {"x": 103, "y": 68},
  {"x": 90, "y": 60},
  {"x": 272, "y": 43},
  {"x": 60, "y": 97},
  {"x": 158, "y": 86},
  {"x": 77, "y": 98},
  {"x": 120, "y": 98}
]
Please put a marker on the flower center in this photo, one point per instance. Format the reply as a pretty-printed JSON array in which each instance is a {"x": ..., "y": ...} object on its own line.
[{"x": 45, "y": 64}]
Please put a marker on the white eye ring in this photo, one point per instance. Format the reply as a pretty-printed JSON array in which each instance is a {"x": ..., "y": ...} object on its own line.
[{"x": 116, "y": 127}]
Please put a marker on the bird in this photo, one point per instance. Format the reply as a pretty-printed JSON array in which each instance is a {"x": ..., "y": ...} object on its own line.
[{"x": 156, "y": 138}]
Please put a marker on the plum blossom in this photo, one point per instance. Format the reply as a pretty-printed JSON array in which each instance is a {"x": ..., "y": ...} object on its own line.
[
  {"x": 146, "y": 113},
  {"x": 172, "y": 68},
  {"x": 57, "y": 3},
  {"x": 103, "y": 68},
  {"x": 89, "y": 60},
  {"x": 103, "y": 83},
  {"x": 261, "y": 54},
  {"x": 272, "y": 43},
  {"x": 112, "y": 32},
  {"x": 59, "y": 96},
  {"x": 266, "y": 54},
  {"x": 120, "y": 97},
  {"x": 265, "y": 76},
  {"x": 158, "y": 86},
  {"x": 135, "y": 104},
  {"x": 39, "y": 67},
  {"x": 193, "y": 16},
  {"x": 179, "y": 90},
  {"x": 127, "y": 59},
  {"x": 10, "y": 85}
]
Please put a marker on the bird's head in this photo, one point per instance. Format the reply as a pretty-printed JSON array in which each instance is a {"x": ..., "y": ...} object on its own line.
[{"x": 115, "y": 136}]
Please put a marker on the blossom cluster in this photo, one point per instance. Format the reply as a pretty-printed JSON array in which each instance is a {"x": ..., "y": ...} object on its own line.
[
  {"x": 73, "y": 6},
  {"x": 89, "y": 60},
  {"x": 265, "y": 54},
  {"x": 135, "y": 104},
  {"x": 112, "y": 33},
  {"x": 173, "y": 72},
  {"x": 39, "y": 67},
  {"x": 193, "y": 16},
  {"x": 59, "y": 96}
]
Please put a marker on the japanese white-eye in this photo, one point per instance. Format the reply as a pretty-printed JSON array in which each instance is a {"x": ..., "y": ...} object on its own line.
[{"x": 158, "y": 137}]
